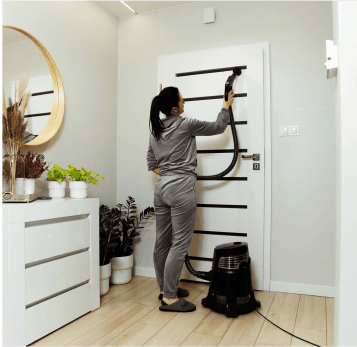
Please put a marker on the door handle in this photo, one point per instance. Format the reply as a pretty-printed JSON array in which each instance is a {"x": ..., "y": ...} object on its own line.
[{"x": 249, "y": 157}]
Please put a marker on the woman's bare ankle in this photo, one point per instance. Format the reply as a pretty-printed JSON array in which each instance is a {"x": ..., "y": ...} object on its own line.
[{"x": 170, "y": 301}]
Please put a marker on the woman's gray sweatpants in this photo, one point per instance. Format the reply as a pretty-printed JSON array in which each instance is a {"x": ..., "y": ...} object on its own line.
[{"x": 175, "y": 207}]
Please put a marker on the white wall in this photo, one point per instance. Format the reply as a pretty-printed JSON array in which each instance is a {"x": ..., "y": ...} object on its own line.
[
  {"x": 82, "y": 38},
  {"x": 345, "y": 38},
  {"x": 303, "y": 167}
]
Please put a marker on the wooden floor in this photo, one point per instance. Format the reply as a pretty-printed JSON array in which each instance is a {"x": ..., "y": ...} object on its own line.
[{"x": 129, "y": 316}]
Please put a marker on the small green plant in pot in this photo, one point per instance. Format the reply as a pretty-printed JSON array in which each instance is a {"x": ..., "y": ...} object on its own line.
[
  {"x": 56, "y": 181},
  {"x": 125, "y": 226},
  {"x": 79, "y": 181}
]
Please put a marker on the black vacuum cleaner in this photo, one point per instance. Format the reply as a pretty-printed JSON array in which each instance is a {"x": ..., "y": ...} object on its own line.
[{"x": 230, "y": 291}]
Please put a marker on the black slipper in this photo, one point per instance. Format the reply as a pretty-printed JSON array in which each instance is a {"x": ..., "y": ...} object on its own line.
[
  {"x": 181, "y": 305},
  {"x": 181, "y": 293}
]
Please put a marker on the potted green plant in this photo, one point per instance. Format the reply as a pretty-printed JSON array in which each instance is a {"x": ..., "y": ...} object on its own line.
[
  {"x": 125, "y": 225},
  {"x": 56, "y": 180},
  {"x": 79, "y": 181}
]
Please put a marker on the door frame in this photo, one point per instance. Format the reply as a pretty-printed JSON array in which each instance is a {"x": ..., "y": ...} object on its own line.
[{"x": 267, "y": 145}]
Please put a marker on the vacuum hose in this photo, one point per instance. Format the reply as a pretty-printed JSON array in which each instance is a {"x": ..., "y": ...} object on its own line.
[
  {"x": 229, "y": 83},
  {"x": 236, "y": 72},
  {"x": 200, "y": 274}
]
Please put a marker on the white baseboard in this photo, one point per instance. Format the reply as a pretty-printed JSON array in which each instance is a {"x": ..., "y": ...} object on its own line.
[
  {"x": 150, "y": 272},
  {"x": 305, "y": 289},
  {"x": 284, "y": 287},
  {"x": 144, "y": 271}
]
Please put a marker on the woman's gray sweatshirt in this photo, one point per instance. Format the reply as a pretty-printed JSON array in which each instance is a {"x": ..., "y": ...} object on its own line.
[{"x": 176, "y": 150}]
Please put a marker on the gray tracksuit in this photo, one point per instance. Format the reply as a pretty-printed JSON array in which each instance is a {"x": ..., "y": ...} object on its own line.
[{"x": 175, "y": 155}]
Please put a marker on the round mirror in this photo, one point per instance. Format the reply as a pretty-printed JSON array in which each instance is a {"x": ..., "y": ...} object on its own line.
[{"x": 23, "y": 54}]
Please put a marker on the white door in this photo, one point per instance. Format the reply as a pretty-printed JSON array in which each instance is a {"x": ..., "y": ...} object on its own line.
[{"x": 230, "y": 209}]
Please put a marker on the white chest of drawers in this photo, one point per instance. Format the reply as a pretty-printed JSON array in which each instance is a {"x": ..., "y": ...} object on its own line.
[{"x": 50, "y": 266}]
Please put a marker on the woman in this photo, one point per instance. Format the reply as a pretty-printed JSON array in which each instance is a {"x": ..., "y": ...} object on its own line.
[{"x": 172, "y": 155}]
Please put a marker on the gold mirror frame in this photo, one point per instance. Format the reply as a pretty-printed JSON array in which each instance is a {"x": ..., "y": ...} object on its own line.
[{"x": 57, "y": 111}]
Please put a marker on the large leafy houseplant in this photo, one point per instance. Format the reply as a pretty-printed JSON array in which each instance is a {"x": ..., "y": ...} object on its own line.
[
  {"x": 107, "y": 226},
  {"x": 124, "y": 225}
]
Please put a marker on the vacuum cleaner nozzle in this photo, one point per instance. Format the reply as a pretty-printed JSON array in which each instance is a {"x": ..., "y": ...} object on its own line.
[
  {"x": 237, "y": 71},
  {"x": 228, "y": 86}
]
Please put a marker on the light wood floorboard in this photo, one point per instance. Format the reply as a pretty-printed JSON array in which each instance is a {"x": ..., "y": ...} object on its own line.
[
  {"x": 315, "y": 336},
  {"x": 129, "y": 316},
  {"x": 330, "y": 320},
  {"x": 283, "y": 313},
  {"x": 116, "y": 290}
]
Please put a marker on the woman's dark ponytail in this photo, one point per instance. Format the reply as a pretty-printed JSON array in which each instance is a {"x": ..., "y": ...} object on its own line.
[
  {"x": 156, "y": 123},
  {"x": 168, "y": 98}
]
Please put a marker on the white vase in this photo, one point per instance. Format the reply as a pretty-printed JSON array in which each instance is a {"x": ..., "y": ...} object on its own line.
[
  {"x": 78, "y": 189},
  {"x": 56, "y": 189},
  {"x": 104, "y": 278},
  {"x": 122, "y": 269},
  {"x": 19, "y": 186},
  {"x": 30, "y": 185}
]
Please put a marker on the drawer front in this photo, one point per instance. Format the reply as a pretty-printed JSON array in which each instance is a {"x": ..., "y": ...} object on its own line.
[
  {"x": 50, "y": 240},
  {"x": 52, "y": 314},
  {"x": 54, "y": 276}
]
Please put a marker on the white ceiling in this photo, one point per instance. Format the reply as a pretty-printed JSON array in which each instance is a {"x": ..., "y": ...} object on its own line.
[
  {"x": 118, "y": 9},
  {"x": 115, "y": 7}
]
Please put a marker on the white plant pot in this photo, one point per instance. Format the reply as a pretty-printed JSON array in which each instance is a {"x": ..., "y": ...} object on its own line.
[
  {"x": 30, "y": 185},
  {"x": 105, "y": 271},
  {"x": 122, "y": 269},
  {"x": 56, "y": 189},
  {"x": 78, "y": 189}
]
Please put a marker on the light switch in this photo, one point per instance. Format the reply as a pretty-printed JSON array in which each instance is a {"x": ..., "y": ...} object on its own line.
[
  {"x": 294, "y": 130},
  {"x": 284, "y": 130}
]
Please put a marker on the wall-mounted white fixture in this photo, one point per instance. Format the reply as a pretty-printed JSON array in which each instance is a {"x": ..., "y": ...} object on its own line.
[
  {"x": 284, "y": 131},
  {"x": 289, "y": 130},
  {"x": 209, "y": 15},
  {"x": 331, "y": 59},
  {"x": 294, "y": 130},
  {"x": 127, "y": 6}
]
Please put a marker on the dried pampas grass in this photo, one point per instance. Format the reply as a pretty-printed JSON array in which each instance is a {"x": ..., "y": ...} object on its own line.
[
  {"x": 14, "y": 124},
  {"x": 13, "y": 121}
]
